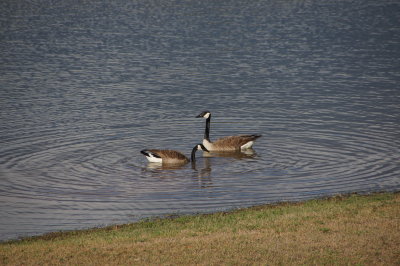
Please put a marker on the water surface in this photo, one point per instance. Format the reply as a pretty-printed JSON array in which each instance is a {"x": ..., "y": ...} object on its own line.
[{"x": 86, "y": 86}]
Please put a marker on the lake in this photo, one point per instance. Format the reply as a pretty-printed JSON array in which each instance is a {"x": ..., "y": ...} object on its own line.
[{"x": 86, "y": 85}]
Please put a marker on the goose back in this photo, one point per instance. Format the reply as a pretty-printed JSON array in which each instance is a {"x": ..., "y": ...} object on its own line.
[{"x": 167, "y": 156}]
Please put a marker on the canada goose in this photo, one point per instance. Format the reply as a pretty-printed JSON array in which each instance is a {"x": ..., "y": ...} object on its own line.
[
  {"x": 231, "y": 143},
  {"x": 171, "y": 156}
]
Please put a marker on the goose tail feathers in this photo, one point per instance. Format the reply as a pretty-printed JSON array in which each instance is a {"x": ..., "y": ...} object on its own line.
[{"x": 151, "y": 156}]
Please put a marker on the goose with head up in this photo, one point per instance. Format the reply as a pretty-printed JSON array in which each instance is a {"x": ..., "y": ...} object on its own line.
[{"x": 230, "y": 143}]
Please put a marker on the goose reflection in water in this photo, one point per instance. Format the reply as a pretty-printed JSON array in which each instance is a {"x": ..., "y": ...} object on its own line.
[
  {"x": 203, "y": 172},
  {"x": 242, "y": 154}
]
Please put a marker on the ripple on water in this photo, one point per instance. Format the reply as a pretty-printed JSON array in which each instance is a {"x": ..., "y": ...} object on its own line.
[{"x": 65, "y": 178}]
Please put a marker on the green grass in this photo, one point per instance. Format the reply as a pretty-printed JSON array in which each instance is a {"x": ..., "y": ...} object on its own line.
[{"x": 355, "y": 229}]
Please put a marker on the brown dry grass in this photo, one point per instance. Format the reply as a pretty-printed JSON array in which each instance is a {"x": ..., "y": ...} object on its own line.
[{"x": 355, "y": 230}]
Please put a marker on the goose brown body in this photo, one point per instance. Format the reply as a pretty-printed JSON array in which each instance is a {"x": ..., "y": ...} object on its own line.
[
  {"x": 231, "y": 143},
  {"x": 171, "y": 156}
]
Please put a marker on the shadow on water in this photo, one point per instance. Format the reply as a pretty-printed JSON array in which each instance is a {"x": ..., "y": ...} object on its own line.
[{"x": 245, "y": 154}]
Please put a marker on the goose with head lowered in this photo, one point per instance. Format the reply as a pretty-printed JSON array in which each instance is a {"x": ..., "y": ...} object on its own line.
[
  {"x": 231, "y": 143},
  {"x": 171, "y": 156}
]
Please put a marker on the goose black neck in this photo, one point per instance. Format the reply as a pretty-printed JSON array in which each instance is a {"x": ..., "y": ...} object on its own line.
[
  {"x": 193, "y": 155},
  {"x": 207, "y": 130}
]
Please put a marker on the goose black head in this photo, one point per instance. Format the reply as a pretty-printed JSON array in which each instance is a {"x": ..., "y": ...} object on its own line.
[
  {"x": 205, "y": 114},
  {"x": 200, "y": 147},
  {"x": 196, "y": 148}
]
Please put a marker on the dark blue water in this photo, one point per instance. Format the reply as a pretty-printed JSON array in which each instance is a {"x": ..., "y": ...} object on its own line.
[{"x": 86, "y": 85}]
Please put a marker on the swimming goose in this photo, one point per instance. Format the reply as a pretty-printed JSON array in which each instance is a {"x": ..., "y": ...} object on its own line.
[
  {"x": 231, "y": 143},
  {"x": 171, "y": 156}
]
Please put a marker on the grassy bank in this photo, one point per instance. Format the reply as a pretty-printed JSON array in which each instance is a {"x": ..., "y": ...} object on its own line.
[{"x": 361, "y": 230}]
